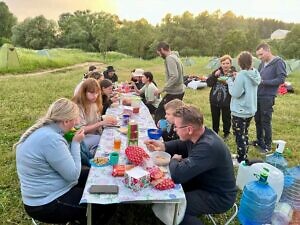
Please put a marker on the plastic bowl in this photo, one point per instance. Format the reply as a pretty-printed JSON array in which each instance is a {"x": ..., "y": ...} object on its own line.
[
  {"x": 161, "y": 158},
  {"x": 154, "y": 134}
]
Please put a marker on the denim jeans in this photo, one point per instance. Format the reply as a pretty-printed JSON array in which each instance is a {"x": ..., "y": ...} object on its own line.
[
  {"x": 240, "y": 128},
  {"x": 263, "y": 120}
]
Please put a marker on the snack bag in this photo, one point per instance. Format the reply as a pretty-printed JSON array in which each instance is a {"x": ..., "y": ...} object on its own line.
[{"x": 136, "y": 154}]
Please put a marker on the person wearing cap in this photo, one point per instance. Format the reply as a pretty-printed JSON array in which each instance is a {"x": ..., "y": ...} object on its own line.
[
  {"x": 137, "y": 75},
  {"x": 110, "y": 74},
  {"x": 149, "y": 88},
  {"x": 174, "y": 87}
]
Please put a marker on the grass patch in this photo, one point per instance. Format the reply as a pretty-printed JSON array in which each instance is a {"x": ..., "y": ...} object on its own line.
[
  {"x": 25, "y": 99},
  {"x": 31, "y": 61}
]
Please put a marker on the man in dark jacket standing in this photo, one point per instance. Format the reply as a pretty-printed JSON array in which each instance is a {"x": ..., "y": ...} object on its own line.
[
  {"x": 273, "y": 73},
  {"x": 202, "y": 163}
]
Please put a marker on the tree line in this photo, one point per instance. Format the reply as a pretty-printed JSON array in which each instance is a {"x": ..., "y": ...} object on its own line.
[{"x": 205, "y": 34}]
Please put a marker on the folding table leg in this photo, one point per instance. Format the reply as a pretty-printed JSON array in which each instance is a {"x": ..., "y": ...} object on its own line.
[
  {"x": 175, "y": 213},
  {"x": 89, "y": 214}
]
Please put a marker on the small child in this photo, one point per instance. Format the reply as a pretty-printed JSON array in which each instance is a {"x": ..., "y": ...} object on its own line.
[
  {"x": 243, "y": 105},
  {"x": 167, "y": 125}
]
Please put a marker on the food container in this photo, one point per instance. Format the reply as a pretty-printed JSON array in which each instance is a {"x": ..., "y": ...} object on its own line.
[
  {"x": 154, "y": 133},
  {"x": 161, "y": 158},
  {"x": 133, "y": 133},
  {"x": 137, "y": 178}
]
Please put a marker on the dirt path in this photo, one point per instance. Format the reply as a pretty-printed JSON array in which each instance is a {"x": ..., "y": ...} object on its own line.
[{"x": 100, "y": 66}]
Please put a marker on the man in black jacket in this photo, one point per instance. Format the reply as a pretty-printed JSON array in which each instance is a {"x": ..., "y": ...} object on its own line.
[
  {"x": 273, "y": 73},
  {"x": 202, "y": 163}
]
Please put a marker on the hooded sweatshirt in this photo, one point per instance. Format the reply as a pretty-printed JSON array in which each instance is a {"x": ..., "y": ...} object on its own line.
[
  {"x": 272, "y": 75},
  {"x": 174, "y": 75},
  {"x": 243, "y": 91}
]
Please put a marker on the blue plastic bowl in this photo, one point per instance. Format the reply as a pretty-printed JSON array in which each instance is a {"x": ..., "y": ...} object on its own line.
[{"x": 154, "y": 133}]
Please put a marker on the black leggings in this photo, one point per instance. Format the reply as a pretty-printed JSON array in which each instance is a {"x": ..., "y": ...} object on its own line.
[{"x": 67, "y": 208}]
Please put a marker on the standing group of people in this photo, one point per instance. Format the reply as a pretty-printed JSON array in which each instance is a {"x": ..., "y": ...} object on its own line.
[
  {"x": 249, "y": 93},
  {"x": 50, "y": 171}
]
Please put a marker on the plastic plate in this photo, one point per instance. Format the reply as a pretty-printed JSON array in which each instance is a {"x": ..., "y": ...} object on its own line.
[{"x": 94, "y": 164}]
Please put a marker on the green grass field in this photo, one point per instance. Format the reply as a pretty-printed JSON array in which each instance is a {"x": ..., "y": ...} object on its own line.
[
  {"x": 25, "y": 99},
  {"x": 31, "y": 61}
]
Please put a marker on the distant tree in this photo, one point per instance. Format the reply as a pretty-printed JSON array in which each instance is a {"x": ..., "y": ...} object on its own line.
[
  {"x": 135, "y": 38},
  {"x": 233, "y": 42},
  {"x": 76, "y": 30},
  {"x": 36, "y": 33},
  {"x": 291, "y": 44},
  {"x": 7, "y": 21},
  {"x": 104, "y": 31}
]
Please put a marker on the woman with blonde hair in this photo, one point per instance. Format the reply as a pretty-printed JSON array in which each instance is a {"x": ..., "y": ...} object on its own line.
[
  {"x": 219, "y": 95},
  {"x": 47, "y": 168},
  {"x": 89, "y": 101}
]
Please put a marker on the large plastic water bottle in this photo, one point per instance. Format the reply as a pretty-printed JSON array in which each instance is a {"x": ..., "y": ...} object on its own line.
[
  {"x": 282, "y": 214},
  {"x": 276, "y": 159},
  {"x": 291, "y": 191},
  {"x": 258, "y": 202},
  {"x": 247, "y": 173}
]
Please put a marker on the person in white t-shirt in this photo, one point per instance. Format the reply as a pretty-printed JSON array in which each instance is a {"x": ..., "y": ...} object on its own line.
[{"x": 151, "y": 100}]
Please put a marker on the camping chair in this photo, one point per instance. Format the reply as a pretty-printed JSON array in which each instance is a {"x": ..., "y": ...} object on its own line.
[
  {"x": 35, "y": 222},
  {"x": 230, "y": 219}
]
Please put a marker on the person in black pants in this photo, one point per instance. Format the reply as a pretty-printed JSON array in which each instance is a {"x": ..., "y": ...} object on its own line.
[
  {"x": 219, "y": 95},
  {"x": 273, "y": 73}
]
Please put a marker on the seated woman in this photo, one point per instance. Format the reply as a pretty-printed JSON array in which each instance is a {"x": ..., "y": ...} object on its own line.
[
  {"x": 149, "y": 88},
  {"x": 107, "y": 94},
  {"x": 50, "y": 173},
  {"x": 136, "y": 77},
  {"x": 89, "y": 101}
]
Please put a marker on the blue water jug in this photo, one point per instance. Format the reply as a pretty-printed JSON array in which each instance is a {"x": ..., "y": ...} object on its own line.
[
  {"x": 276, "y": 159},
  {"x": 291, "y": 191},
  {"x": 258, "y": 202}
]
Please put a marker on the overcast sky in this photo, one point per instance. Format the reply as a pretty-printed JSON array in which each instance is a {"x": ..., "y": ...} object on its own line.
[{"x": 155, "y": 10}]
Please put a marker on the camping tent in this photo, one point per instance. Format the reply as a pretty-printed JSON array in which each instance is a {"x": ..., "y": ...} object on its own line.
[
  {"x": 43, "y": 52},
  {"x": 279, "y": 34},
  {"x": 291, "y": 65},
  {"x": 8, "y": 56}
]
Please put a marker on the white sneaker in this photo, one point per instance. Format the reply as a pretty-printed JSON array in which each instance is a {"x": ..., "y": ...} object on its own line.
[
  {"x": 235, "y": 162},
  {"x": 233, "y": 156}
]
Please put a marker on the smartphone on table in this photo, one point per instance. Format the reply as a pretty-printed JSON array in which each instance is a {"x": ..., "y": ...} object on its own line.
[{"x": 104, "y": 189}]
